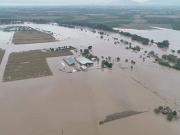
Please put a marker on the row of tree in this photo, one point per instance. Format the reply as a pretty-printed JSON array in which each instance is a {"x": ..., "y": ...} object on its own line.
[
  {"x": 86, "y": 24},
  {"x": 11, "y": 21},
  {"x": 166, "y": 59},
  {"x": 144, "y": 41}
]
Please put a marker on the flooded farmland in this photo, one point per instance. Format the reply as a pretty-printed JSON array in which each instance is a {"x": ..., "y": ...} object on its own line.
[{"x": 75, "y": 103}]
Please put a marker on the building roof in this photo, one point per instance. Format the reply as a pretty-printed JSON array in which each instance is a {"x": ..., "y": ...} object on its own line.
[
  {"x": 83, "y": 60},
  {"x": 69, "y": 60}
]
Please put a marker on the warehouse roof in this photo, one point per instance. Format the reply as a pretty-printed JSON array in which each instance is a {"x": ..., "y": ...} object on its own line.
[{"x": 69, "y": 60}]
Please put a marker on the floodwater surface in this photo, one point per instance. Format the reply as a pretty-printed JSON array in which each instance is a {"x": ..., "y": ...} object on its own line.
[{"x": 75, "y": 103}]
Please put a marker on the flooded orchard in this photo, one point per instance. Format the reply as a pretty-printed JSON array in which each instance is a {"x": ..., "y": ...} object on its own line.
[{"x": 75, "y": 103}]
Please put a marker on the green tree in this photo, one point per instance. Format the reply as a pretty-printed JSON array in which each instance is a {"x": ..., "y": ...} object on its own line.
[
  {"x": 157, "y": 111},
  {"x": 110, "y": 65},
  {"x": 166, "y": 43},
  {"x": 89, "y": 47},
  {"x": 174, "y": 113},
  {"x": 160, "y": 107},
  {"x": 151, "y": 53},
  {"x": 138, "y": 48},
  {"x": 170, "y": 116},
  {"x": 163, "y": 44},
  {"x": 173, "y": 51},
  {"x": 86, "y": 51}
]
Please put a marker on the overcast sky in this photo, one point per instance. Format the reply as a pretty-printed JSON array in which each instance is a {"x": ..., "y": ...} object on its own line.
[{"x": 82, "y": 2}]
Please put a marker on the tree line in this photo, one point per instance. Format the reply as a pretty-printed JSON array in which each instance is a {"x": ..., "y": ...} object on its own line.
[
  {"x": 86, "y": 24},
  {"x": 144, "y": 41}
]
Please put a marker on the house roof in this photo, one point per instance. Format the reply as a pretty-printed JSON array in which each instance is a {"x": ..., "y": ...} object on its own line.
[{"x": 69, "y": 60}]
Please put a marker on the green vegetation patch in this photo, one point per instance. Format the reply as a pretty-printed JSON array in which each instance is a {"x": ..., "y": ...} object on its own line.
[
  {"x": 144, "y": 41},
  {"x": 30, "y": 64},
  {"x": 167, "y": 59},
  {"x": 163, "y": 44},
  {"x": 86, "y": 53},
  {"x": 119, "y": 115},
  {"x": 106, "y": 64},
  {"x": 171, "y": 115},
  {"x": 18, "y": 28}
]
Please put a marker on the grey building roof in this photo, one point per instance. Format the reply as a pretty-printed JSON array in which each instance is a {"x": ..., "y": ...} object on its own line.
[{"x": 69, "y": 60}]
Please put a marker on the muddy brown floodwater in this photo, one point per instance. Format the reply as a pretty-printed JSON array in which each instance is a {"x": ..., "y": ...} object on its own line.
[{"x": 73, "y": 104}]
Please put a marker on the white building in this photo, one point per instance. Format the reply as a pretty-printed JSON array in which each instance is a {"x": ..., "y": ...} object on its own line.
[{"x": 84, "y": 61}]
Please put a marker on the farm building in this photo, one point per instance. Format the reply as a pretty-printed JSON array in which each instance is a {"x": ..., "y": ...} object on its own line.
[
  {"x": 69, "y": 60},
  {"x": 84, "y": 61}
]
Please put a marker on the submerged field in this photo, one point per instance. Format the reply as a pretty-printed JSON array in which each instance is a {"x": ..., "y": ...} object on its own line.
[
  {"x": 1, "y": 55},
  {"x": 31, "y": 64}
]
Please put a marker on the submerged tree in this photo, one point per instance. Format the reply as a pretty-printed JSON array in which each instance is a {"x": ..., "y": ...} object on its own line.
[
  {"x": 89, "y": 47},
  {"x": 163, "y": 44}
]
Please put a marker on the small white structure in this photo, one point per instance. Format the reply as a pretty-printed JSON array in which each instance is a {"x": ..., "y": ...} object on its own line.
[
  {"x": 83, "y": 67},
  {"x": 84, "y": 61},
  {"x": 93, "y": 59}
]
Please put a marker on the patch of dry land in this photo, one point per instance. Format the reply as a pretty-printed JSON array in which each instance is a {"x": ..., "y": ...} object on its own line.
[
  {"x": 2, "y": 52},
  {"x": 31, "y": 37},
  {"x": 30, "y": 64}
]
